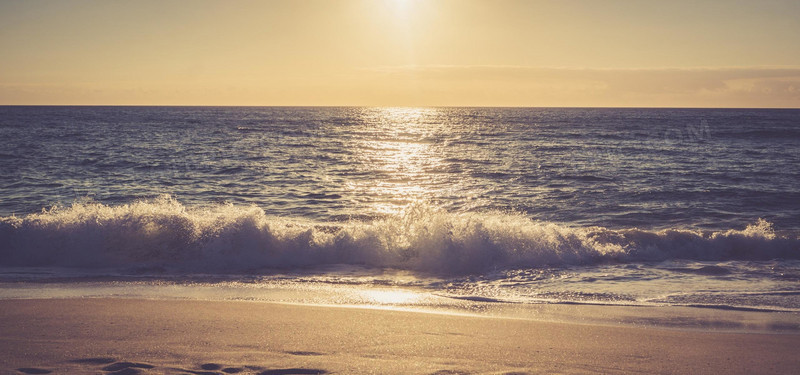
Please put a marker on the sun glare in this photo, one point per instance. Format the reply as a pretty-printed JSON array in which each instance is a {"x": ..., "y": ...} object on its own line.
[
  {"x": 401, "y": 5},
  {"x": 390, "y": 297}
]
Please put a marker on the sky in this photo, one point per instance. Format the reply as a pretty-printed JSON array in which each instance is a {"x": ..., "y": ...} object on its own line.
[{"x": 401, "y": 53}]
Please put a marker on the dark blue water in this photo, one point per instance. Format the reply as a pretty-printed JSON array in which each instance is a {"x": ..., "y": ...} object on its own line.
[{"x": 705, "y": 196}]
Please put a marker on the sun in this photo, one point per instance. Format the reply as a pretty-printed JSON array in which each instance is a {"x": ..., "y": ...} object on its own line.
[
  {"x": 401, "y": 3},
  {"x": 402, "y": 8}
]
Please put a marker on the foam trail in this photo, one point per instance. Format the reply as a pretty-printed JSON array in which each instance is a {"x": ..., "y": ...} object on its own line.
[{"x": 227, "y": 238}]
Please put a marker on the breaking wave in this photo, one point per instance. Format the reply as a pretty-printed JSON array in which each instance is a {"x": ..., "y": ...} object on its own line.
[{"x": 231, "y": 239}]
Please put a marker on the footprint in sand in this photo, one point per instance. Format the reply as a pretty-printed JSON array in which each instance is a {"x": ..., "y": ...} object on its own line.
[
  {"x": 126, "y": 371},
  {"x": 293, "y": 371},
  {"x": 33, "y": 370},
  {"x": 227, "y": 370},
  {"x": 126, "y": 368},
  {"x": 114, "y": 367}
]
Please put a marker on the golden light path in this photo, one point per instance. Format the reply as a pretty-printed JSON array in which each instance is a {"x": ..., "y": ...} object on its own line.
[{"x": 399, "y": 152}]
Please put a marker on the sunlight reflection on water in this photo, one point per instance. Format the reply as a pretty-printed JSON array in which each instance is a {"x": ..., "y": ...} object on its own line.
[
  {"x": 390, "y": 297},
  {"x": 402, "y": 153}
]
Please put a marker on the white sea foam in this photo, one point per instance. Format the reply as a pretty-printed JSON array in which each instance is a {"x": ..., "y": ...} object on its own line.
[{"x": 226, "y": 238}]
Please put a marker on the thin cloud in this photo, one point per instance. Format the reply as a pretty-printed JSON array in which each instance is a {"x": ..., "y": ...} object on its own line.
[{"x": 760, "y": 86}]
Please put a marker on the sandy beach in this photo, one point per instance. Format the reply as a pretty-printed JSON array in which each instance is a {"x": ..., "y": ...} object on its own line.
[{"x": 130, "y": 336}]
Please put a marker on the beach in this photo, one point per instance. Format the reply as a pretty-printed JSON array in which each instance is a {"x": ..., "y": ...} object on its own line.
[{"x": 89, "y": 335}]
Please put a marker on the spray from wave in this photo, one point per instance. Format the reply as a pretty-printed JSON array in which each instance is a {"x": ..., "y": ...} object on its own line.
[{"x": 226, "y": 238}]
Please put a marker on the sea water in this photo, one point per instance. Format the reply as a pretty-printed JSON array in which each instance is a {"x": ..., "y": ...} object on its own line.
[{"x": 523, "y": 206}]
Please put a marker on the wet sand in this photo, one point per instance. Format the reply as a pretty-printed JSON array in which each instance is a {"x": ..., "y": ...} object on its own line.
[{"x": 129, "y": 336}]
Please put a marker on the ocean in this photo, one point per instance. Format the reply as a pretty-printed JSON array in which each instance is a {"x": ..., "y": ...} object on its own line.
[{"x": 404, "y": 207}]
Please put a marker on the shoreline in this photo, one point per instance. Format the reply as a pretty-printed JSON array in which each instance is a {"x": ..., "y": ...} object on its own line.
[
  {"x": 180, "y": 336},
  {"x": 699, "y": 318}
]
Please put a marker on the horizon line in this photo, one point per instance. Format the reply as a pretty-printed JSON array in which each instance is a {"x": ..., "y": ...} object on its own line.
[{"x": 375, "y": 106}]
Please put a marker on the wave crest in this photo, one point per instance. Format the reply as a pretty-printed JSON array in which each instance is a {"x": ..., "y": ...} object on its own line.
[{"x": 227, "y": 238}]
